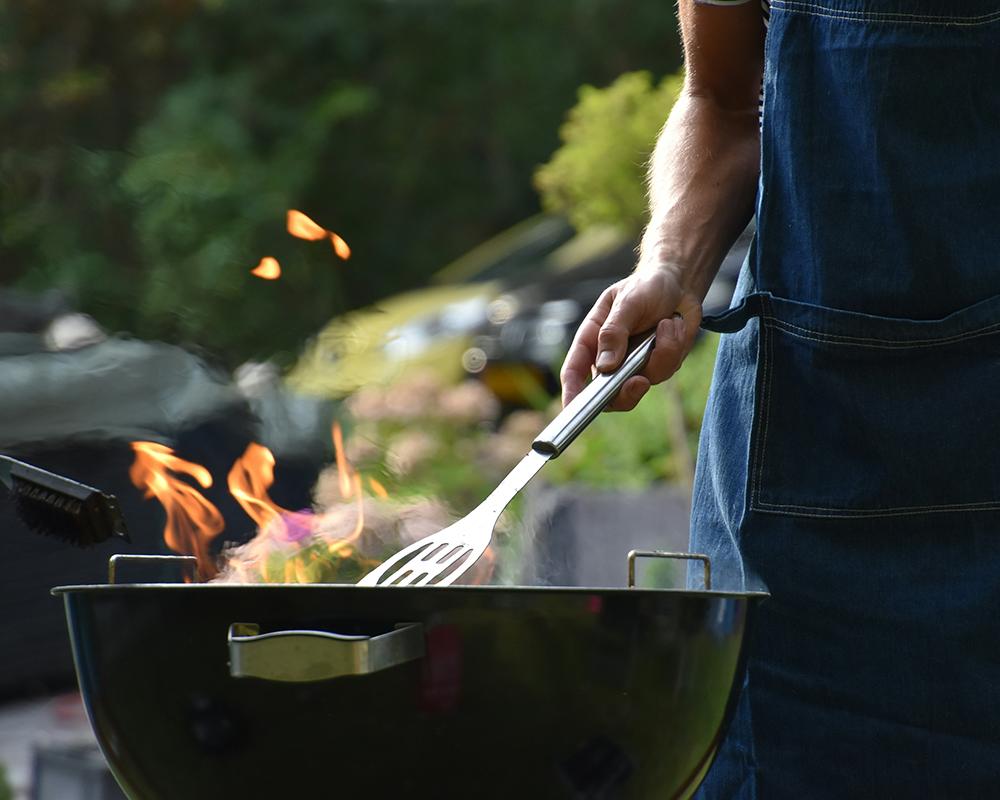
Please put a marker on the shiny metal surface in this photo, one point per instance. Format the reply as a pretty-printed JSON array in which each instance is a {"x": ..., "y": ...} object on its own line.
[
  {"x": 116, "y": 561},
  {"x": 706, "y": 563},
  {"x": 586, "y": 406},
  {"x": 443, "y": 557},
  {"x": 299, "y": 656}
]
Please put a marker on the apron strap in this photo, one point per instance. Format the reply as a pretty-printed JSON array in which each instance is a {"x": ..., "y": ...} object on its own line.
[{"x": 735, "y": 318}]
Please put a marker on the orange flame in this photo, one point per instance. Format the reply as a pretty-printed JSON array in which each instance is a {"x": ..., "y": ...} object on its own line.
[
  {"x": 343, "y": 468},
  {"x": 249, "y": 479},
  {"x": 302, "y": 227},
  {"x": 340, "y": 246},
  {"x": 192, "y": 521},
  {"x": 281, "y": 530},
  {"x": 359, "y": 525},
  {"x": 350, "y": 486},
  {"x": 269, "y": 269}
]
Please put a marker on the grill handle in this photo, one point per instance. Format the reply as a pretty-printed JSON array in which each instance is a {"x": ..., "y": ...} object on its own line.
[
  {"x": 584, "y": 408},
  {"x": 303, "y": 656},
  {"x": 706, "y": 563}
]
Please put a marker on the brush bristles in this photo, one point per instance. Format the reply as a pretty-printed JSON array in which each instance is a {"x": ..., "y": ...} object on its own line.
[
  {"x": 74, "y": 520},
  {"x": 50, "y": 514}
]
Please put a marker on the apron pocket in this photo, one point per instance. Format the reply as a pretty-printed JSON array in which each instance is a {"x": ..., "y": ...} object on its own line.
[{"x": 864, "y": 416}]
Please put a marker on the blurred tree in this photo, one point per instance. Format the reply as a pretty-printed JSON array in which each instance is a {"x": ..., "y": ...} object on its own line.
[
  {"x": 151, "y": 147},
  {"x": 598, "y": 175}
]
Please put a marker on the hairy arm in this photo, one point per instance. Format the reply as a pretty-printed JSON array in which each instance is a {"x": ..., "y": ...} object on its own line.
[{"x": 702, "y": 183}]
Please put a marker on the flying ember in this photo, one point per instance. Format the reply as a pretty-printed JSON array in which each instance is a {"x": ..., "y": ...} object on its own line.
[
  {"x": 269, "y": 269},
  {"x": 340, "y": 246},
  {"x": 302, "y": 227}
]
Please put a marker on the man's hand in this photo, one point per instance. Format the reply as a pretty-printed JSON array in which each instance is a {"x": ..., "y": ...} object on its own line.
[{"x": 648, "y": 298}]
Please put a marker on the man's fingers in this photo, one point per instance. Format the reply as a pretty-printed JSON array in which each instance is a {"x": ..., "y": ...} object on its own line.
[
  {"x": 674, "y": 339},
  {"x": 576, "y": 369},
  {"x": 669, "y": 350},
  {"x": 664, "y": 360},
  {"x": 612, "y": 340},
  {"x": 575, "y": 372},
  {"x": 630, "y": 394},
  {"x": 625, "y": 309}
]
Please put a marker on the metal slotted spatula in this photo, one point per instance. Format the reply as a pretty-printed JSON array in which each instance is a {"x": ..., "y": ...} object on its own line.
[{"x": 443, "y": 557}]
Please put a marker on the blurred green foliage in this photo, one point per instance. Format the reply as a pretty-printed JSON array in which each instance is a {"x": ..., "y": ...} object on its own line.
[
  {"x": 152, "y": 148},
  {"x": 424, "y": 436},
  {"x": 6, "y": 793},
  {"x": 597, "y": 177}
]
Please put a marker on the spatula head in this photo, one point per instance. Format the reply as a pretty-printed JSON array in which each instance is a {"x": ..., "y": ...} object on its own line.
[{"x": 439, "y": 559}]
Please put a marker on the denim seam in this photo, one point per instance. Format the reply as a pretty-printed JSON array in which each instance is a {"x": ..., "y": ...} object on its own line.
[
  {"x": 765, "y": 410},
  {"x": 881, "y": 16},
  {"x": 845, "y": 513},
  {"x": 879, "y": 344}
]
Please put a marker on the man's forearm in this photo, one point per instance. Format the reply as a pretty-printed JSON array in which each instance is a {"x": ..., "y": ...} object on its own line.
[{"x": 702, "y": 185}]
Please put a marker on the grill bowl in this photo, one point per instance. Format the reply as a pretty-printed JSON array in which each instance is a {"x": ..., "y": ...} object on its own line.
[{"x": 519, "y": 691}]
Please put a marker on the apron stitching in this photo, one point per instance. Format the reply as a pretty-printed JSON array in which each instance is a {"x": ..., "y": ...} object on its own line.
[
  {"x": 883, "y": 344},
  {"x": 880, "y": 17},
  {"x": 765, "y": 402},
  {"x": 900, "y": 511},
  {"x": 760, "y": 413}
]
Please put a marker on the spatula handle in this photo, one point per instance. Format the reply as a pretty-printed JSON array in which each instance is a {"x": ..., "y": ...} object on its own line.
[{"x": 584, "y": 408}]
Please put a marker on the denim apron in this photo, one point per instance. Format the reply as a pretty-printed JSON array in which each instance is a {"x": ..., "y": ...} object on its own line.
[{"x": 850, "y": 454}]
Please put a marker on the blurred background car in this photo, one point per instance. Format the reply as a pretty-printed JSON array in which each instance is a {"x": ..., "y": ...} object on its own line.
[{"x": 518, "y": 348}]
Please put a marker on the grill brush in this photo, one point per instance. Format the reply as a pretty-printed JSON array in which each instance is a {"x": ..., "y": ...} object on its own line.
[{"x": 52, "y": 505}]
